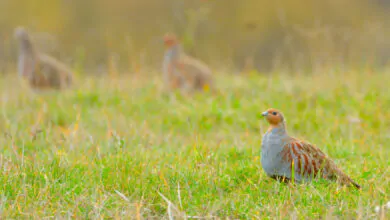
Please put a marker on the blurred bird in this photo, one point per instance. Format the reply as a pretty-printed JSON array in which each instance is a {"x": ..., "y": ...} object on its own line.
[
  {"x": 41, "y": 70},
  {"x": 281, "y": 154},
  {"x": 183, "y": 71}
]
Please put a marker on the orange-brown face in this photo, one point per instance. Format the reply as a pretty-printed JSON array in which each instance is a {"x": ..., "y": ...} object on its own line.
[
  {"x": 273, "y": 116},
  {"x": 170, "y": 40}
]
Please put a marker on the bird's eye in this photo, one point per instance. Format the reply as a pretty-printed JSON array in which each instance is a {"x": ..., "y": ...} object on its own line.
[{"x": 274, "y": 113}]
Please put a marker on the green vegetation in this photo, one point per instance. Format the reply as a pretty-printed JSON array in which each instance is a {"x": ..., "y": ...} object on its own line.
[{"x": 123, "y": 148}]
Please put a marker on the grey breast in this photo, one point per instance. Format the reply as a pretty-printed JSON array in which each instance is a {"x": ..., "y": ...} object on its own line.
[
  {"x": 271, "y": 160},
  {"x": 170, "y": 56}
]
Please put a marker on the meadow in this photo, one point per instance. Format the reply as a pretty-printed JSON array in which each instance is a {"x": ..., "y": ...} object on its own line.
[{"x": 124, "y": 148}]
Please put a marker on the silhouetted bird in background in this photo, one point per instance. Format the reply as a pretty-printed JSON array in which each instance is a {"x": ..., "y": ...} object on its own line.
[
  {"x": 41, "y": 70},
  {"x": 183, "y": 71}
]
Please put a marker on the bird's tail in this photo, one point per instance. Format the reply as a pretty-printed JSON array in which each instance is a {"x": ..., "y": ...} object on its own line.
[
  {"x": 357, "y": 186},
  {"x": 346, "y": 180}
]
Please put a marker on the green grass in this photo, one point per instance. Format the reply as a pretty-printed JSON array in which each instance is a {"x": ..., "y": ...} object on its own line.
[{"x": 122, "y": 148}]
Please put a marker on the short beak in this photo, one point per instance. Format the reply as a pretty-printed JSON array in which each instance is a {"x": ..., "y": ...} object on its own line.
[{"x": 264, "y": 113}]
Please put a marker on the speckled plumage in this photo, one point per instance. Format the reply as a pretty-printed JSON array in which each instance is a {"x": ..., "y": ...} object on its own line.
[{"x": 281, "y": 153}]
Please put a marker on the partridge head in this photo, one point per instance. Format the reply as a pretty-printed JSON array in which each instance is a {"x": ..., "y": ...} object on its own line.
[
  {"x": 274, "y": 117},
  {"x": 285, "y": 158},
  {"x": 20, "y": 33},
  {"x": 170, "y": 40}
]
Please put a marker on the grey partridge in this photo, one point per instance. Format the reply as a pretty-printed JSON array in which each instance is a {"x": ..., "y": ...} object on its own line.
[{"x": 283, "y": 156}]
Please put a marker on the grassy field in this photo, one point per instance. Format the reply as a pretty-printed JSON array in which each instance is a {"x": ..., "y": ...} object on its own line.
[{"x": 123, "y": 148}]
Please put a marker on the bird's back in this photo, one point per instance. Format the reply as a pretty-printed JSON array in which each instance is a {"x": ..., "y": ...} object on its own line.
[
  {"x": 306, "y": 160},
  {"x": 195, "y": 66},
  {"x": 309, "y": 162},
  {"x": 58, "y": 74}
]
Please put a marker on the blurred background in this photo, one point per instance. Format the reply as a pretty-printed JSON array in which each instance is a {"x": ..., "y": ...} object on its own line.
[{"x": 97, "y": 36}]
